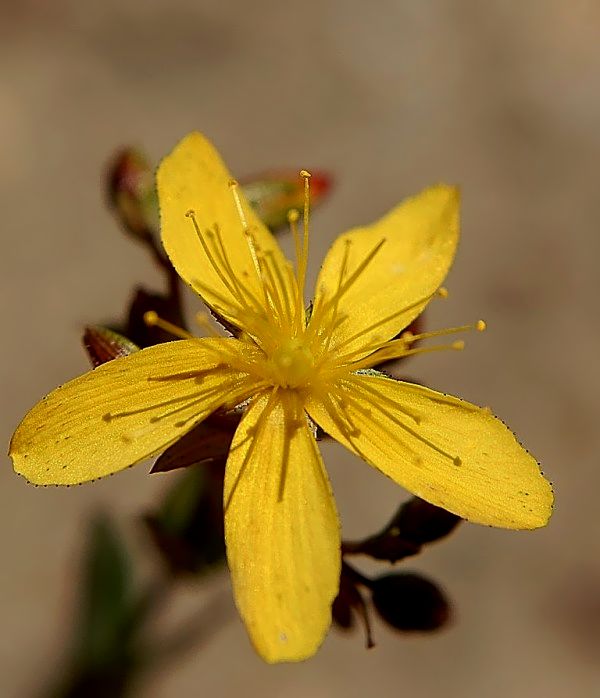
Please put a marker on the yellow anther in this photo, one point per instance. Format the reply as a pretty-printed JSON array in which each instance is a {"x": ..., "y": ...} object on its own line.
[
  {"x": 150, "y": 318},
  {"x": 305, "y": 173},
  {"x": 442, "y": 292},
  {"x": 293, "y": 215},
  {"x": 458, "y": 345},
  {"x": 233, "y": 183},
  {"x": 480, "y": 325}
]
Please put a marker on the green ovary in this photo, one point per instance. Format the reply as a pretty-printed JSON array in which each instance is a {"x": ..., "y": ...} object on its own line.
[{"x": 292, "y": 364}]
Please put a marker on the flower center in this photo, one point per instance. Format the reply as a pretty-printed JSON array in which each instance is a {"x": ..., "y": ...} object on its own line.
[{"x": 292, "y": 364}]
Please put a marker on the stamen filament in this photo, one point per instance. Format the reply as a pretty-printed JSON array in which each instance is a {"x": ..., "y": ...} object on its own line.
[
  {"x": 374, "y": 345},
  {"x": 152, "y": 319},
  {"x": 305, "y": 222},
  {"x": 215, "y": 263},
  {"x": 382, "y": 355},
  {"x": 241, "y": 290},
  {"x": 275, "y": 272},
  {"x": 251, "y": 242},
  {"x": 293, "y": 216},
  {"x": 409, "y": 338}
]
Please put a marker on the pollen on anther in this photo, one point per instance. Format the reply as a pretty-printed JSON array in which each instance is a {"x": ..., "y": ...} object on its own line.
[
  {"x": 442, "y": 292},
  {"x": 458, "y": 345},
  {"x": 150, "y": 318},
  {"x": 457, "y": 460},
  {"x": 293, "y": 215},
  {"x": 480, "y": 325},
  {"x": 305, "y": 173}
]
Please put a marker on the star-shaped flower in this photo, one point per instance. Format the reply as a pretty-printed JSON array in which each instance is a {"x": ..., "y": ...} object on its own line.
[{"x": 293, "y": 369}]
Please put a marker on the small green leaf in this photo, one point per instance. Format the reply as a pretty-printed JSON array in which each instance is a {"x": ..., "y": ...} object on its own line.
[{"x": 107, "y": 596}]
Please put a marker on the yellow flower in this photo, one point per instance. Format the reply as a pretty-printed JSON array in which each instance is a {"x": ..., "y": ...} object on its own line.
[{"x": 296, "y": 369}]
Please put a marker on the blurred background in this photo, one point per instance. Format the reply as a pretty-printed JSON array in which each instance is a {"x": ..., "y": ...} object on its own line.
[{"x": 499, "y": 97}]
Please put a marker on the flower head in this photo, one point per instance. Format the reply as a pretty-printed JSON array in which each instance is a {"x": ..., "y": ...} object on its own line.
[{"x": 292, "y": 369}]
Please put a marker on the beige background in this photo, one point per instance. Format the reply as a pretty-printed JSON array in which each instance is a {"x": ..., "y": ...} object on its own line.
[{"x": 501, "y": 97}]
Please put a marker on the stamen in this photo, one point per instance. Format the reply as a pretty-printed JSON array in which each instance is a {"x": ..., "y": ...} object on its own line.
[
  {"x": 442, "y": 292},
  {"x": 409, "y": 337},
  {"x": 241, "y": 290},
  {"x": 234, "y": 187},
  {"x": 388, "y": 354},
  {"x": 374, "y": 345},
  {"x": 278, "y": 292},
  {"x": 278, "y": 282},
  {"x": 215, "y": 263},
  {"x": 152, "y": 319},
  {"x": 293, "y": 216},
  {"x": 248, "y": 311},
  {"x": 306, "y": 215},
  {"x": 305, "y": 236}
]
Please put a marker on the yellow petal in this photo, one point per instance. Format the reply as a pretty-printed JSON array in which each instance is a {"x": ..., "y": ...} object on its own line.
[
  {"x": 420, "y": 237},
  {"x": 194, "y": 178},
  {"x": 125, "y": 411},
  {"x": 449, "y": 452},
  {"x": 281, "y": 530}
]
